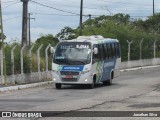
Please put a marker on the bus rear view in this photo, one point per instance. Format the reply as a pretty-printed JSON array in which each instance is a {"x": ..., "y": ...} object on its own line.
[{"x": 76, "y": 62}]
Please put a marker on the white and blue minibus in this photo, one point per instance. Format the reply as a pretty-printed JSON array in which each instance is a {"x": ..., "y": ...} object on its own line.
[{"x": 86, "y": 60}]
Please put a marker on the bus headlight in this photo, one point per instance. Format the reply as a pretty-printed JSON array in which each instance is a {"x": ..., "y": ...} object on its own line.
[
  {"x": 54, "y": 79},
  {"x": 85, "y": 80}
]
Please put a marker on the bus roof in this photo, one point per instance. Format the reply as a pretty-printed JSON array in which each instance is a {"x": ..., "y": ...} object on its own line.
[{"x": 96, "y": 39}]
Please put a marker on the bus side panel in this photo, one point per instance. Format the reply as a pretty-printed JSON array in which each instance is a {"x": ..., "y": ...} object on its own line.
[
  {"x": 108, "y": 66},
  {"x": 102, "y": 69}
]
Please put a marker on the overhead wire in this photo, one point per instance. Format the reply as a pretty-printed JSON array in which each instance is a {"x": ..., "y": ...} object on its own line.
[
  {"x": 10, "y": 5},
  {"x": 129, "y": 3},
  {"x": 11, "y": 18},
  {"x": 72, "y": 13},
  {"x": 105, "y": 9},
  {"x": 54, "y": 8},
  {"x": 6, "y": 2}
]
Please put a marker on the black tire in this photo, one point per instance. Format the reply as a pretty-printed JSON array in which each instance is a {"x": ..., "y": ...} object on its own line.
[
  {"x": 108, "y": 82},
  {"x": 111, "y": 78},
  {"x": 58, "y": 85},
  {"x": 105, "y": 83}
]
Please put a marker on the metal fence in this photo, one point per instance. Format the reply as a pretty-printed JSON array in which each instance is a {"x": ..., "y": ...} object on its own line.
[
  {"x": 46, "y": 75},
  {"x": 25, "y": 77}
]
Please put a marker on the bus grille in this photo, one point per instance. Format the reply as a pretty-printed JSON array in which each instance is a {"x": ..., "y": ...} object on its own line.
[
  {"x": 69, "y": 73},
  {"x": 69, "y": 79}
]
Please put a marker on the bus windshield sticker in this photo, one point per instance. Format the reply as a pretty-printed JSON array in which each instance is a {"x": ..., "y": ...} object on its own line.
[
  {"x": 65, "y": 46},
  {"x": 82, "y": 46}
]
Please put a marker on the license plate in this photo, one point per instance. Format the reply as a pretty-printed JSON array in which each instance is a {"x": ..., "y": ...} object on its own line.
[{"x": 69, "y": 76}]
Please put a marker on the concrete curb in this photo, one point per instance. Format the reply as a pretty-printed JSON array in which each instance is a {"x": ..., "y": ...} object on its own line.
[
  {"x": 19, "y": 87},
  {"x": 138, "y": 68}
]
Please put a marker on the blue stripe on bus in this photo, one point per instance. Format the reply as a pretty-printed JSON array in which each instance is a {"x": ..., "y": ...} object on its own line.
[{"x": 72, "y": 68}]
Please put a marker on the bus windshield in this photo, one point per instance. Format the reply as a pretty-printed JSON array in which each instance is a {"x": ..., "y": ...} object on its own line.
[{"x": 73, "y": 53}]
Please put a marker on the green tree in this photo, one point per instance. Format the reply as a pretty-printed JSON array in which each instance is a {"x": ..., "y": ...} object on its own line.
[{"x": 66, "y": 33}]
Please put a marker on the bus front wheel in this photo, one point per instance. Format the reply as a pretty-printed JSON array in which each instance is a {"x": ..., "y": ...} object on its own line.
[
  {"x": 91, "y": 86},
  {"x": 58, "y": 85}
]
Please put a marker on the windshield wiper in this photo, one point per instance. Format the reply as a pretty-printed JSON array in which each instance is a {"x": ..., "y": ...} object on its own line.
[
  {"x": 66, "y": 61},
  {"x": 79, "y": 61}
]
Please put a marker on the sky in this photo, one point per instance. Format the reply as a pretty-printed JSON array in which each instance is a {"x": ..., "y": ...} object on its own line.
[{"x": 50, "y": 16}]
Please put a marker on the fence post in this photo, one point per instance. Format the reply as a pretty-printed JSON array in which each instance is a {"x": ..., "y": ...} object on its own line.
[
  {"x": 38, "y": 57},
  {"x": 155, "y": 48},
  {"x": 30, "y": 55},
  {"x": 12, "y": 62},
  {"x": 46, "y": 54},
  {"x": 12, "y": 58},
  {"x": 140, "y": 45},
  {"x": 2, "y": 77},
  {"x": 129, "y": 48},
  {"x": 22, "y": 71}
]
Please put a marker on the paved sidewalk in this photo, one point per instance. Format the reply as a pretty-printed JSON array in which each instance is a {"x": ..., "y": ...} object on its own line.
[{"x": 19, "y": 87}]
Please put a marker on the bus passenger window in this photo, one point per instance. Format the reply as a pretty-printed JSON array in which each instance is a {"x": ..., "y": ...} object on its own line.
[
  {"x": 106, "y": 51},
  {"x": 111, "y": 51},
  {"x": 115, "y": 50},
  {"x": 118, "y": 50},
  {"x": 103, "y": 51}
]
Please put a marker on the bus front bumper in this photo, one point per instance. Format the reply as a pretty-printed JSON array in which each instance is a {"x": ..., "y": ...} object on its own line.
[{"x": 82, "y": 78}]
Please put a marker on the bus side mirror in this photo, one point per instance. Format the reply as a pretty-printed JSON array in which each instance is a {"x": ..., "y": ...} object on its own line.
[
  {"x": 52, "y": 50},
  {"x": 95, "y": 51}
]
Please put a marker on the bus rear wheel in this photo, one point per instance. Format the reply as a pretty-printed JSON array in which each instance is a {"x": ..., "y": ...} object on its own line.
[
  {"x": 109, "y": 82},
  {"x": 58, "y": 85}
]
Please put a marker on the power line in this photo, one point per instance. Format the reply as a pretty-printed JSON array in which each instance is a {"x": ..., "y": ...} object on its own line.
[
  {"x": 54, "y": 8},
  {"x": 130, "y": 3},
  {"x": 54, "y": 14},
  {"x": 12, "y": 18},
  {"x": 10, "y": 5},
  {"x": 55, "y": 4},
  {"x": 62, "y": 3},
  {"x": 93, "y": 15},
  {"x": 8, "y": 1}
]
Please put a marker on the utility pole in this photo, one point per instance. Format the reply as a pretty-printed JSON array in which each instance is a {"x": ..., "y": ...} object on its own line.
[
  {"x": 24, "y": 22},
  {"x": 3, "y": 63},
  {"x": 29, "y": 26},
  {"x": 81, "y": 15},
  {"x": 90, "y": 16},
  {"x": 153, "y": 7}
]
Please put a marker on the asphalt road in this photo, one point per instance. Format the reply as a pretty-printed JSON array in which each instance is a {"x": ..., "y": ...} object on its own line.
[{"x": 132, "y": 91}]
